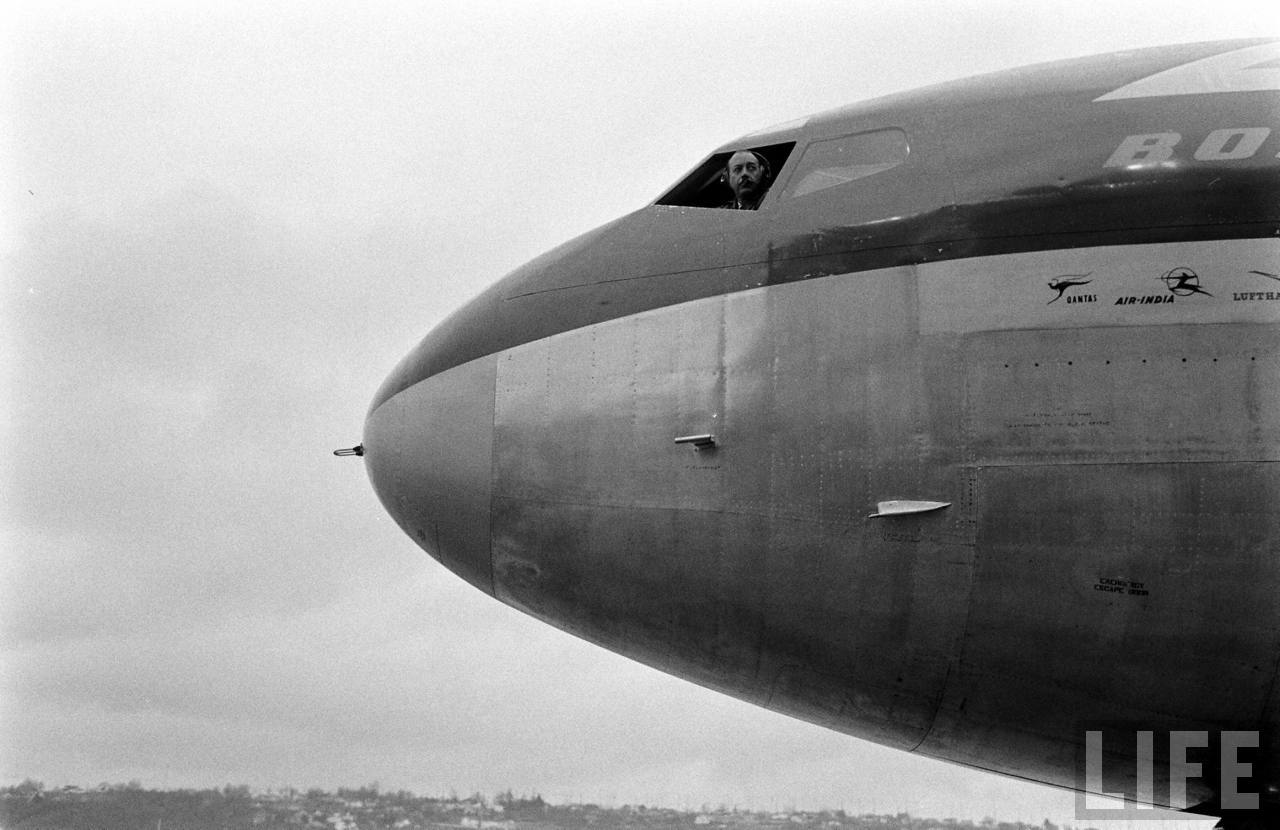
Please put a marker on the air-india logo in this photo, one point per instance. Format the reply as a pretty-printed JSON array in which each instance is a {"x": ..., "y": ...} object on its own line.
[{"x": 1183, "y": 282}]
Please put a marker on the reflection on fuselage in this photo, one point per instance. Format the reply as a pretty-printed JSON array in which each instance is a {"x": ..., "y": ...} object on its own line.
[{"x": 1009, "y": 296}]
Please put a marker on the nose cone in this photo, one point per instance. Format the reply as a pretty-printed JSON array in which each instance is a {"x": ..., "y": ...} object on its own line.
[{"x": 429, "y": 451}]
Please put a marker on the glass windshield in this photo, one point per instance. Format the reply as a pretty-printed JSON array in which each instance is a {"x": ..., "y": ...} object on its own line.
[
  {"x": 708, "y": 185},
  {"x": 838, "y": 161}
]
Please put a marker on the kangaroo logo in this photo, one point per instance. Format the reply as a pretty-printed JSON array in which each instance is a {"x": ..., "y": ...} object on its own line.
[{"x": 1062, "y": 283}]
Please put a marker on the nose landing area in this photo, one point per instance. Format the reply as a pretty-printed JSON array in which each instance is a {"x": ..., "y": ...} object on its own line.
[{"x": 429, "y": 454}]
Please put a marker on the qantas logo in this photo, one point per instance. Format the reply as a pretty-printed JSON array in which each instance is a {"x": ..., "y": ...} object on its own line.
[{"x": 1062, "y": 283}]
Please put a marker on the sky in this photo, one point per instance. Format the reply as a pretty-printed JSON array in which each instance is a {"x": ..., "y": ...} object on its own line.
[{"x": 223, "y": 224}]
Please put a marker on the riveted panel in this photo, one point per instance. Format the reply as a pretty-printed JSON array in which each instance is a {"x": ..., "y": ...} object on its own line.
[
  {"x": 1121, "y": 591},
  {"x": 1122, "y": 395},
  {"x": 750, "y": 565},
  {"x": 590, "y": 416}
]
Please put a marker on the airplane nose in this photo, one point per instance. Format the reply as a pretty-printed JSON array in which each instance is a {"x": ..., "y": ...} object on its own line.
[{"x": 428, "y": 451}]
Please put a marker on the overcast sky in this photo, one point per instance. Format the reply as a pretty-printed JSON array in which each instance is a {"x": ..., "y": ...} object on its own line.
[{"x": 222, "y": 226}]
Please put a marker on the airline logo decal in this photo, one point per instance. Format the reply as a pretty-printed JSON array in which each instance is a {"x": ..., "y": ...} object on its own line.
[
  {"x": 1251, "y": 69},
  {"x": 1180, "y": 282},
  {"x": 1254, "y": 296},
  {"x": 1062, "y": 283},
  {"x": 1183, "y": 282},
  {"x": 1215, "y": 281}
]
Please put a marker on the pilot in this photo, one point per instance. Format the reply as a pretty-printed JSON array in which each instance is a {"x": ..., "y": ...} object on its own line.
[{"x": 749, "y": 179}]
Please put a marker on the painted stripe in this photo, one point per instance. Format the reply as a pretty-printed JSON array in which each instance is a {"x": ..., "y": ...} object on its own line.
[
  {"x": 487, "y": 325},
  {"x": 1253, "y": 69}
]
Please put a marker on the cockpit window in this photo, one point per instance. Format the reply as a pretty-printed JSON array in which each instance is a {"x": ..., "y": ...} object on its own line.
[
  {"x": 842, "y": 160},
  {"x": 708, "y": 186}
]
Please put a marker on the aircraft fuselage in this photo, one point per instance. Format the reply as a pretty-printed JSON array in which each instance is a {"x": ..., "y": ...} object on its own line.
[{"x": 1046, "y": 299}]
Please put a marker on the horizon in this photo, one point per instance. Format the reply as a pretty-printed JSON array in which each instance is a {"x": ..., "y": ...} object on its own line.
[
  {"x": 453, "y": 795},
  {"x": 225, "y": 226},
  {"x": 490, "y": 800}
]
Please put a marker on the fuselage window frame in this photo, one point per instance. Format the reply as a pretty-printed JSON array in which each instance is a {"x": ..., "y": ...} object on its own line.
[
  {"x": 864, "y": 154},
  {"x": 707, "y": 187}
]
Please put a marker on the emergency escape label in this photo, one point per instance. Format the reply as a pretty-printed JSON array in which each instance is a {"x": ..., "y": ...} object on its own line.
[{"x": 1127, "y": 587}]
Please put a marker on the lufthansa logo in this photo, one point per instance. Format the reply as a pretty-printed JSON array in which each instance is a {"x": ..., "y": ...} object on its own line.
[{"x": 1254, "y": 296}]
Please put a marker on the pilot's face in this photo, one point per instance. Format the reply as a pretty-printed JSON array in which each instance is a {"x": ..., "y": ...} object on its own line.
[{"x": 746, "y": 176}]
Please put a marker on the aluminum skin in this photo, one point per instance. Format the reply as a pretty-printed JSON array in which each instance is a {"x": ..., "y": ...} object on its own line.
[{"x": 1057, "y": 315}]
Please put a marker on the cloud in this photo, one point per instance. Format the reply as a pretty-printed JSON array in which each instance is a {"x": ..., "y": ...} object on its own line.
[
  {"x": 224, "y": 229},
  {"x": 167, "y": 383}
]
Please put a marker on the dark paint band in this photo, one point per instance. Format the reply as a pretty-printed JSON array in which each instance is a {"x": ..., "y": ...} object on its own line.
[{"x": 491, "y": 324}]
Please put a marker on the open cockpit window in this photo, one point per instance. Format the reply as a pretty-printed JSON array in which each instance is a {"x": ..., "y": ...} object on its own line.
[
  {"x": 838, "y": 161},
  {"x": 708, "y": 185}
]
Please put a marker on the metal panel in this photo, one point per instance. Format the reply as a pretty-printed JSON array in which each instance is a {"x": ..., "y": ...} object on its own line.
[
  {"x": 1117, "y": 594},
  {"x": 429, "y": 453},
  {"x": 750, "y": 566},
  {"x": 1123, "y": 395},
  {"x": 861, "y": 622},
  {"x": 604, "y": 525},
  {"x": 589, "y": 417},
  {"x": 1123, "y": 507}
]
